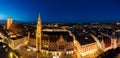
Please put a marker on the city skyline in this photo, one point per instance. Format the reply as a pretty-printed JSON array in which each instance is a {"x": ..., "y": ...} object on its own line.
[
  {"x": 60, "y": 10},
  {"x": 41, "y": 40}
]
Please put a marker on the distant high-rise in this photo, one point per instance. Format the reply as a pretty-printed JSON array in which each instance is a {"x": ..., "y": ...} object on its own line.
[
  {"x": 9, "y": 22},
  {"x": 38, "y": 34}
]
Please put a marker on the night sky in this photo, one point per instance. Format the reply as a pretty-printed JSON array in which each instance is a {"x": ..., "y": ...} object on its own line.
[{"x": 72, "y": 11}]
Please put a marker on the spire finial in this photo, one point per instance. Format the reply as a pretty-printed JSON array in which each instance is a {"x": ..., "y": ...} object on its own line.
[
  {"x": 39, "y": 15},
  {"x": 39, "y": 19}
]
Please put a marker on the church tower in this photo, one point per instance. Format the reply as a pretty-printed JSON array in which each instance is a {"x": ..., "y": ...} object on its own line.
[
  {"x": 9, "y": 22},
  {"x": 38, "y": 34}
]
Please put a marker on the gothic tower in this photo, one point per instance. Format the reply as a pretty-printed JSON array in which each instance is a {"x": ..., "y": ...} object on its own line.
[
  {"x": 38, "y": 34},
  {"x": 9, "y": 22}
]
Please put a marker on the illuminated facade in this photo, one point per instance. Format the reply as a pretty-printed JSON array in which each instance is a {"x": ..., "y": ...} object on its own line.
[
  {"x": 113, "y": 42},
  {"x": 58, "y": 42},
  {"x": 88, "y": 49},
  {"x": 9, "y": 22},
  {"x": 88, "y": 46},
  {"x": 118, "y": 42}
]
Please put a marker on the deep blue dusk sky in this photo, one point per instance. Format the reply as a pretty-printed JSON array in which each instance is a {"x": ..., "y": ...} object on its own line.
[{"x": 61, "y": 10}]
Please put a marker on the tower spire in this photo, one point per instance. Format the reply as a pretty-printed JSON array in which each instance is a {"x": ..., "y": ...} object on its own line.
[
  {"x": 39, "y": 19},
  {"x": 38, "y": 34},
  {"x": 39, "y": 15}
]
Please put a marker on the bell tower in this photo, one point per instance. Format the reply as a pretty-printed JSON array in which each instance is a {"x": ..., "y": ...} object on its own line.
[{"x": 9, "y": 22}]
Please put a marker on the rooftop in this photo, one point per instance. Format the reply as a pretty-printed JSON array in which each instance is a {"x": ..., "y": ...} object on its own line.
[{"x": 85, "y": 38}]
